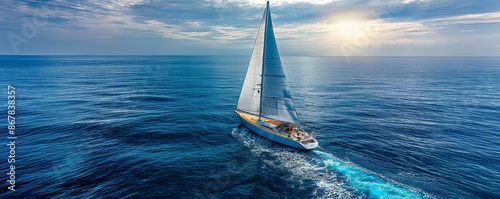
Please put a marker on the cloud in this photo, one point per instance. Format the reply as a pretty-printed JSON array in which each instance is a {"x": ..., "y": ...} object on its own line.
[
  {"x": 492, "y": 17},
  {"x": 244, "y": 3},
  {"x": 231, "y": 24},
  {"x": 414, "y": 1}
]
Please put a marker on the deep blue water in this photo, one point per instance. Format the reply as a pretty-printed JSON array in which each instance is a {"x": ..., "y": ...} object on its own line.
[{"x": 163, "y": 126}]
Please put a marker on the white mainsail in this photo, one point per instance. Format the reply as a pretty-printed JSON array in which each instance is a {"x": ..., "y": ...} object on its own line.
[
  {"x": 265, "y": 90},
  {"x": 250, "y": 92}
]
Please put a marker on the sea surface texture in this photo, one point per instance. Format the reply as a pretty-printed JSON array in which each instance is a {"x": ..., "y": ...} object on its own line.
[{"x": 164, "y": 127}]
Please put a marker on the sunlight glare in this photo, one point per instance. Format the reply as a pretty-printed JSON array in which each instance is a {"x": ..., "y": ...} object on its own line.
[{"x": 345, "y": 30}]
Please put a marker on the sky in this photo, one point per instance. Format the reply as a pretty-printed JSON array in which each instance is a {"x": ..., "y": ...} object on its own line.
[{"x": 229, "y": 27}]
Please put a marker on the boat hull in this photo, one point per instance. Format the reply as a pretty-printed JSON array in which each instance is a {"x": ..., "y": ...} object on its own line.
[{"x": 264, "y": 132}]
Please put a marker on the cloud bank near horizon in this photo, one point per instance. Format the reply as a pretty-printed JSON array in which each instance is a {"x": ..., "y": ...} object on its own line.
[{"x": 314, "y": 27}]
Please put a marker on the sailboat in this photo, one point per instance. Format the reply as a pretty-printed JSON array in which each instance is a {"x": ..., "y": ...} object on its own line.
[{"x": 265, "y": 105}]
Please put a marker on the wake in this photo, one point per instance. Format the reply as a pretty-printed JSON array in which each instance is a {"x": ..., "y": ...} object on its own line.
[
  {"x": 366, "y": 183},
  {"x": 332, "y": 177}
]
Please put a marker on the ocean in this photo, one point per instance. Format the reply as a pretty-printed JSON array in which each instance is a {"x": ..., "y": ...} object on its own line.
[{"x": 163, "y": 127}]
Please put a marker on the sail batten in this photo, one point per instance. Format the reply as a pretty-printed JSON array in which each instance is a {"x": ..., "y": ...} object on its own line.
[{"x": 265, "y": 90}]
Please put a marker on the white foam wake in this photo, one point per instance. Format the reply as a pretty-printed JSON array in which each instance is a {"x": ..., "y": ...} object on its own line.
[
  {"x": 299, "y": 164},
  {"x": 365, "y": 182},
  {"x": 333, "y": 178}
]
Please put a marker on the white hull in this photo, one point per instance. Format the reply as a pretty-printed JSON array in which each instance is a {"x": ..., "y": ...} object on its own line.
[{"x": 277, "y": 136}]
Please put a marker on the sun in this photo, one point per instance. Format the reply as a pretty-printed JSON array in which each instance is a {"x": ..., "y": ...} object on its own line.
[
  {"x": 346, "y": 26},
  {"x": 346, "y": 29}
]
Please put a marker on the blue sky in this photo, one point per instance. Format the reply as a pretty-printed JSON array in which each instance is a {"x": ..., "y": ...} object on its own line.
[{"x": 228, "y": 27}]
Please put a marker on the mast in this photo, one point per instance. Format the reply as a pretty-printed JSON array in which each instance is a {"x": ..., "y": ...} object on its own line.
[{"x": 263, "y": 60}]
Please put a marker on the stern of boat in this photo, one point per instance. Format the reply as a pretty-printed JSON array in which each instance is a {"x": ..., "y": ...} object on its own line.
[{"x": 309, "y": 143}]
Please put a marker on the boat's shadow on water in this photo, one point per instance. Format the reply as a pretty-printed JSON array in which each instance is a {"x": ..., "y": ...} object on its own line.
[{"x": 316, "y": 172}]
